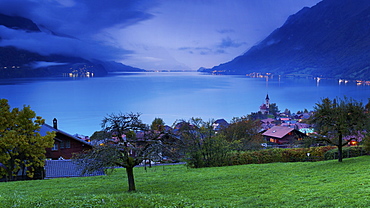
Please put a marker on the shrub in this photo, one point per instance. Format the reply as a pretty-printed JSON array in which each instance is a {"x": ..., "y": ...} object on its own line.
[
  {"x": 213, "y": 152},
  {"x": 279, "y": 155},
  {"x": 347, "y": 152}
]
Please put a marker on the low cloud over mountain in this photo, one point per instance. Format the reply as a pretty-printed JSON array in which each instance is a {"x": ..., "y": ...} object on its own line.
[
  {"x": 29, "y": 50},
  {"x": 84, "y": 20}
]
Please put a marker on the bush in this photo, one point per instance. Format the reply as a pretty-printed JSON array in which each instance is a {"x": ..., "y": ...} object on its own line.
[
  {"x": 214, "y": 152},
  {"x": 276, "y": 155},
  {"x": 279, "y": 155},
  {"x": 347, "y": 152}
]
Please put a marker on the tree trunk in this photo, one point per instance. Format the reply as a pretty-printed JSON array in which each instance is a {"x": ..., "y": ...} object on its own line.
[
  {"x": 340, "y": 147},
  {"x": 130, "y": 178},
  {"x": 340, "y": 153},
  {"x": 10, "y": 169}
]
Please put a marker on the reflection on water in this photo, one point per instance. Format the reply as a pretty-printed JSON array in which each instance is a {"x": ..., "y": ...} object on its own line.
[{"x": 81, "y": 103}]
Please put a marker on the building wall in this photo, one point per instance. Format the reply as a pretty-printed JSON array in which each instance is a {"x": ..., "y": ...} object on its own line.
[
  {"x": 65, "y": 148},
  {"x": 287, "y": 139}
]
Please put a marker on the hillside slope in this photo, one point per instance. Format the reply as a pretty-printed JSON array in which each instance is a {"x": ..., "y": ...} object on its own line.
[{"x": 330, "y": 39}]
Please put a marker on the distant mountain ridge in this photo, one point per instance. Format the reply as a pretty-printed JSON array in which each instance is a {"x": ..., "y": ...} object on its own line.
[
  {"x": 330, "y": 39},
  {"x": 15, "y": 62}
]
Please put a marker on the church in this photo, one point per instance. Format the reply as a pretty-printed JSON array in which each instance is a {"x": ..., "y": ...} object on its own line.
[{"x": 265, "y": 107}]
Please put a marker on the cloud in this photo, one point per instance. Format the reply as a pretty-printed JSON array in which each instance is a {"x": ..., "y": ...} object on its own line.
[
  {"x": 220, "y": 48},
  {"x": 229, "y": 43},
  {"x": 39, "y": 64},
  {"x": 198, "y": 32},
  {"x": 223, "y": 31},
  {"x": 17, "y": 7},
  {"x": 163, "y": 59},
  {"x": 80, "y": 17},
  {"x": 84, "y": 20},
  {"x": 46, "y": 44},
  {"x": 197, "y": 50}
]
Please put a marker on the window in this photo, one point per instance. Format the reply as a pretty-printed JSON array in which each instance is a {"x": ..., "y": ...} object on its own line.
[
  {"x": 67, "y": 144},
  {"x": 55, "y": 147}
]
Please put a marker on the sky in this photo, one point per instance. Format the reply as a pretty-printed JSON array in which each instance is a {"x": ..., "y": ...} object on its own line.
[{"x": 148, "y": 34}]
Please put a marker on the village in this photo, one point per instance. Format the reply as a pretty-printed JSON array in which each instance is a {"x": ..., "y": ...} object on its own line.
[
  {"x": 278, "y": 130},
  {"x": 281, "y": 131},
  {"x": 158, "y": 143}
]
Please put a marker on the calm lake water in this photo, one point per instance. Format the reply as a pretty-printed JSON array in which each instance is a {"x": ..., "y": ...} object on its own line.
[{"x": 80, "y": 104}]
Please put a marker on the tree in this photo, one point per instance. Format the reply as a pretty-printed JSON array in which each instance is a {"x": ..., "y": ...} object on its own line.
[
  {"x": 243, "y": 134},
  {"x": 21, "y": 145},
  {"x": 97, "y": 135},
  {"x": 128, "y": 143},
  {"x": 157, "y": 124},
  {"x": 257, "y": 116},
  {"x": 192, "y": 134},
  {"x": 274, "y": 109},
  {"x": 287, "y": 112},
  {"x": 367, "y": 137},
  {"x": 336, "y": 119},
  {"x": 202, "y": 147}
]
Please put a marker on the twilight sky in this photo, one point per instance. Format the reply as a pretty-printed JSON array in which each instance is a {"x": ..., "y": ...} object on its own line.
[{"x": 149, "y": 34}]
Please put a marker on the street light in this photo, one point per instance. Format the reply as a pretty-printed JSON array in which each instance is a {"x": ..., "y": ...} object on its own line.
[{"x": 308, "y": 156}]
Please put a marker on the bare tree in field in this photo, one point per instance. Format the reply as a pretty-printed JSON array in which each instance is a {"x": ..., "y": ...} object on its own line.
[{"x": 128, "y": 143}]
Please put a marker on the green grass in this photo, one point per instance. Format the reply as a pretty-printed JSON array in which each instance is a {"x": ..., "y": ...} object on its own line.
[{"x": 301, "y": 184}]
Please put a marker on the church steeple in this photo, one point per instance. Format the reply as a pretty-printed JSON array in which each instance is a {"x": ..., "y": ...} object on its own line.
[
  {"x": 265, "y": 107},
  {"x": 267, "y": 101}
]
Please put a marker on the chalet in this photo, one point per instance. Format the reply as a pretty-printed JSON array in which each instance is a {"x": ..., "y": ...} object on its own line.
[
  {"x": 291, "y": 124},
  {"x": 285, "y": 120},
  {"x": 220, "y": 124},
  {"x": 280, "y": 135},
  {"x": 65, "y": 145},
  {"x": 267, "y": 123}
]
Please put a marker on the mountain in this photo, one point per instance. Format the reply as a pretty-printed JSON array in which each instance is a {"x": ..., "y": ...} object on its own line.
[
  {"x": 16, "y": 62},
  {"x": 330, "y": 39},
  {"x": 113, "y": 66}
]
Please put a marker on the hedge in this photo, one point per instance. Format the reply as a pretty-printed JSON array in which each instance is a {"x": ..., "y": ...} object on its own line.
[
  {"x": 280, "y": 155},
  {"x": 347, "y": 152}
]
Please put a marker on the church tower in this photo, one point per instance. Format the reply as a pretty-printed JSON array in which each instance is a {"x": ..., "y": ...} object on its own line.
[
  {"x": 267, "y": 101},
  {"x": 265, "y": 107}
]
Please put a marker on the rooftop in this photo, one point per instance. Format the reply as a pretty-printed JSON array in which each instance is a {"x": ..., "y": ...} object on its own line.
[{"x": 278, "y": 131}]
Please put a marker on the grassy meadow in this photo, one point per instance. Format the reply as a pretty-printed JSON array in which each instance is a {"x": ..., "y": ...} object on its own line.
[{"x": 300, "y": 184}]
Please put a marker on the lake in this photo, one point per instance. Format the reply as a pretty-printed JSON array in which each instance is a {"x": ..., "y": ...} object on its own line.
[{"x": 80, "y": 104}]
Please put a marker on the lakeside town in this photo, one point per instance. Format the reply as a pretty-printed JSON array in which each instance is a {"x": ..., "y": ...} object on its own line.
[
  {"x": 236, "y": 77},
  {"x": 275, "y": 129},
  {"x": 279, "y": 129}
]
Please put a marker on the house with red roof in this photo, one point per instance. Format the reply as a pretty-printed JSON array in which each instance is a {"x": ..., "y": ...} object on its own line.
[
  {"x": 281, "y": 135},
  {"x": 268, "y": 123},
  {"x": 65, "y": 145}
]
